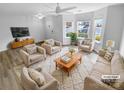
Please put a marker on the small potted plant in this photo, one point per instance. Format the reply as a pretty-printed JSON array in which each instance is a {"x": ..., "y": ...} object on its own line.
[{"x": 73, "y": 36}]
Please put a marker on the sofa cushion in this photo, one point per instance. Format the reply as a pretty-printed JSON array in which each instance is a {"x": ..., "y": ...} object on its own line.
[
  {"x": 55, "y": 48},
  {"x": 102, "y": 68},
  {"x": 85, "y": 46},
  {"x": 36, "y": 76},
  {"x": 36, "y": 57},
  {"x": 96, "y": 75},
  {"x": 102, "y": 60},
  {"x": 29, "y": 46},
  {"x": 117, "y": 67}
]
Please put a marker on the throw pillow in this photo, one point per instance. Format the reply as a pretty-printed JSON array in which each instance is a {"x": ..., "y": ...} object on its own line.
[
  {"x": 32, "y": 50},
  {"x": 50, "y": 42},
  {"x": 36, "y": 76},
  {"x": 102, "y": 52},
  {"x": 108, "y": 56}
]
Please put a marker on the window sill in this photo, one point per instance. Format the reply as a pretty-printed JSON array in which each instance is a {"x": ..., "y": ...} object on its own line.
[
  {"x": 67, "y": 37},
  {"x": 80, "y": 38}
]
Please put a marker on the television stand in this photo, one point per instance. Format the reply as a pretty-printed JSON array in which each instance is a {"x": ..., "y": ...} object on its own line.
[{"x": 22, "y": 43}]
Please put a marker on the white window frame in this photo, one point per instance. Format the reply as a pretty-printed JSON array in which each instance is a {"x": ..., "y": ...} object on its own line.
[
  {"x": 88, "y": 28},
  {"x": 65, "y": 28}
]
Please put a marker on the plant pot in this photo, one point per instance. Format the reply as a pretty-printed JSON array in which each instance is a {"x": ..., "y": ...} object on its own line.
[{"x": 73, "y": 43}]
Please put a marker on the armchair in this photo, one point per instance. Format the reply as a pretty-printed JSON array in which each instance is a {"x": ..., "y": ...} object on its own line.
[
  {"x": 52, "y": 46},
  {"x": 86, "y": 45},
  {"x": 32, "y": 54},
  {"x": 28, "y": 83}
]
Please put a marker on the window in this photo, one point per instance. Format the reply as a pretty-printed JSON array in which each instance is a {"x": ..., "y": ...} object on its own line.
[
  {"x": 83, "y": 28},
  {"x": 68, "y": 29},
  {"x": 98, "y": 29}
]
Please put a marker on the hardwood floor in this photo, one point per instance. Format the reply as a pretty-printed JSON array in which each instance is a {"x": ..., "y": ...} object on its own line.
[
  {"x": 11, "y": 64},
  {"x": 7, "y": 76}
]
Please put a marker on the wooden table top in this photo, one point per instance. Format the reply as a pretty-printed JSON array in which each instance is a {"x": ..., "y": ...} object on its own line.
[{"x": 74, "y": 59}]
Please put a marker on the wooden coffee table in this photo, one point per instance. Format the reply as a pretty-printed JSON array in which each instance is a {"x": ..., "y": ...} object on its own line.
[{"x": 76, "y": 57}]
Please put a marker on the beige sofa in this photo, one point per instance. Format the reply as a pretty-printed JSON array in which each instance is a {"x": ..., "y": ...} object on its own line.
[
  {"x": 28, "y": 83},
  {"x": 52, "y": 46},
  {"x": 86, "y": 45},
  {"x": 103, "y": 67},
  {"x": 32, "y": 54}
]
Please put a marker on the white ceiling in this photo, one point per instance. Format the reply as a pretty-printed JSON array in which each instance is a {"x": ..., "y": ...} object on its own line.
[{"x": 34, "y": 8}]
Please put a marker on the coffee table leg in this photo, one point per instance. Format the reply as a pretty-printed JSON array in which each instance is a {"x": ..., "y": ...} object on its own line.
[
  {"x": 80, "y": 60},
  {"x": 68, "y": 72},
  {"x": 56, "y": 66}
]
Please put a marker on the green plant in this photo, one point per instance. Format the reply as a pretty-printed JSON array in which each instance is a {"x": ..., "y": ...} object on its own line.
[
  {"x": 73, "y": 37},
  {"x": 98, "y": 37}
]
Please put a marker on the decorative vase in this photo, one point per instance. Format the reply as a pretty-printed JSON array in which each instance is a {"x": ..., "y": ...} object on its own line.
[{"x": 71, "y": 50}]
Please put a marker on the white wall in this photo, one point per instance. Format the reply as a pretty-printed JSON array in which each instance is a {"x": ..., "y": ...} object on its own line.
[
  {"x": 53, "y": 27},
  {"x": 122, "y": 44},
  {"x": 68, "y": 18},
  {"x": 114, "y": 24},
  {"x": 35, "y": 27}
]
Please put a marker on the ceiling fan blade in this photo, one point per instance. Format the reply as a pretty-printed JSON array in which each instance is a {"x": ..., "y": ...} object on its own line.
[{"x": 66, "y": 9}]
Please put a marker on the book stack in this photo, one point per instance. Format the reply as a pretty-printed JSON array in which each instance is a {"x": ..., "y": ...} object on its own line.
[{"x": 65, "y": 59}]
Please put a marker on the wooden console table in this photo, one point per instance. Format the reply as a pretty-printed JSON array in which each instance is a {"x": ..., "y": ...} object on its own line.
[{"x": 22, "y": 43}]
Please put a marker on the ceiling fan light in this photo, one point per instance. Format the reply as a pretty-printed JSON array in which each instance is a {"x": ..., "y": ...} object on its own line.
[{"x": 39, "y": 16}]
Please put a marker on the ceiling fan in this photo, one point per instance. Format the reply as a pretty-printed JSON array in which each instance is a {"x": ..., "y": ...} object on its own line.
[{"x": 58, "y": 10}]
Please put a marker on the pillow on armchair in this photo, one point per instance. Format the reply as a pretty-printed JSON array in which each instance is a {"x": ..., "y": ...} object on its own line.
[
  {"x": 50, "y": 42},
  {"x": 87, "y": 42},
  {"x": 32, "y": 50},
  {"x": 37, "y": 77}
]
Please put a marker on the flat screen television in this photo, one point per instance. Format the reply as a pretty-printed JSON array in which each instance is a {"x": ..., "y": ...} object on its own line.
[{"x": 19, "y": 32}]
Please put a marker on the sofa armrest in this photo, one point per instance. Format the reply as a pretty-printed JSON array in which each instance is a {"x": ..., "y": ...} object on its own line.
[
  {"x": 47, "y": 47},
  {"x": 52, "y": 85},
  {"x": 25, "y": 57},
  {"x": 58, "y": 43},
  {"x": 80, "y": 42},
  {"x": 42, "y": 51},
  {"x": 92, "y": 84}
]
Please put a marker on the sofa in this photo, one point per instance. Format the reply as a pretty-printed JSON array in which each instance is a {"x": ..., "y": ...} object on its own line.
[
  {"x": 86, "y": 45},
  {"x": 32, "y": 79},
  {"x": 104, "y": 67},
  {"x": 32, "y": 54},
  {"x": 52, "y": 46}
]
